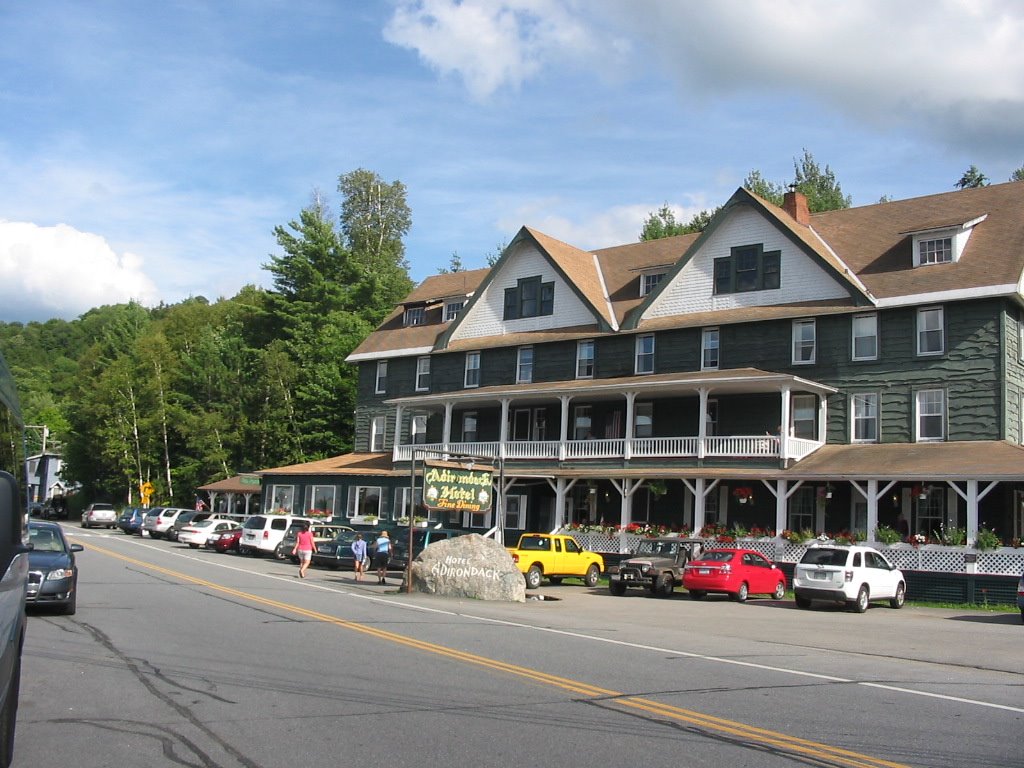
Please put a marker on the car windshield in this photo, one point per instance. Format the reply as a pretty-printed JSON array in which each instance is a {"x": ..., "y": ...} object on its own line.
[
  {"x": 203, "y": 524},
  {"x": 824, "y": 557},
  {"x": 45, "y": 540},
  {"x": 718, "y": 556},
  {"x": 668, "y": 548}
]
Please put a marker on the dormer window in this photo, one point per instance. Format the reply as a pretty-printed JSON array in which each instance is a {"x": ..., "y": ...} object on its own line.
[
  {"x": 649, "y": 281},
  {"x": 415, "y": 316},
  {"x": 748, "y": 268},
  {"x": 452, "y": 309},
  {"x": 942, "y": 245},
  {"x": 529, "y": 298}
]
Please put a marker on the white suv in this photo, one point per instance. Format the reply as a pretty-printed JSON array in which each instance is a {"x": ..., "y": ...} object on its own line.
[
  {"x": 262, "y": 533},
  {"x": 158, "y": 525},
  {"x": 102, "y": 515},
  {"x": 854, "y": 575}
]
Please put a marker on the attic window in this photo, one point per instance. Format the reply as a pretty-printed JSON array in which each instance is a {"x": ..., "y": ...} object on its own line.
[
  {"x": 529, "y": 298},
  {"x": 452, "y": 309},
  {"x": 415, "y": 315},
  {"x": 748, "y": 268},
  {"x": 649, "y": 281},
  {"x": 942, "y": 245}
]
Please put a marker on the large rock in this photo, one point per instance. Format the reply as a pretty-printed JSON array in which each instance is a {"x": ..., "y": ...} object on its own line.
[{"x": 468, "y": 566}]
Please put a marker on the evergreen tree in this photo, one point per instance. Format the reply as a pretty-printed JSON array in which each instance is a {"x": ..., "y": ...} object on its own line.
[{"x": 972, "y": 178}]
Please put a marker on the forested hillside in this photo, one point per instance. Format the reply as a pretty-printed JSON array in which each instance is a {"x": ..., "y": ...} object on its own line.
[{"x": 181, "y": 395}]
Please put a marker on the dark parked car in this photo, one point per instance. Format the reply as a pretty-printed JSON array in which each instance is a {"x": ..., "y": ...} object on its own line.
[
  {"x": 225, "y": 541},
  {"x": 52, "y": 574},
  {"x": 131, "y": 519},
  {"x": 337, "y": 553},
  {"x": 322, "y": 533}
]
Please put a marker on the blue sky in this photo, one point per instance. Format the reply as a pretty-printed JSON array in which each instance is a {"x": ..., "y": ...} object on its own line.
[{"x": 148, "y": 149}]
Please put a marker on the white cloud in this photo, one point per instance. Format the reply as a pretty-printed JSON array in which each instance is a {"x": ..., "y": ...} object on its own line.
[
  {"x": 62, "y": 272},
  {"x": 491, "y": 45}
]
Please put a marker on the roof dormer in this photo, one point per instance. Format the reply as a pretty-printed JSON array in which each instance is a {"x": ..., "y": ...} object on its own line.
[{"x": 942, "y": 244}]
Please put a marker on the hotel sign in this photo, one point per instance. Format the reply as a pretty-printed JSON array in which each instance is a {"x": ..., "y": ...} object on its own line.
[{"x": 454, "y": 488}]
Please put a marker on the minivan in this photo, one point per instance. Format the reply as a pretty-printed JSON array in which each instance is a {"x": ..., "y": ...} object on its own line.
[{"x": 262, "y": 533}]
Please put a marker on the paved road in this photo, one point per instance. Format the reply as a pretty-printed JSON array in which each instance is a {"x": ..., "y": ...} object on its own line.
[{"x": 188, "y": 658}]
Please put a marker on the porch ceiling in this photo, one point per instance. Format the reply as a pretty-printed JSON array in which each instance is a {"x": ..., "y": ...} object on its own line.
[{"x": 740, "y": 381}]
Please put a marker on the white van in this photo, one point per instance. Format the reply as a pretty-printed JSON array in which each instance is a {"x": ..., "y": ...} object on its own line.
[{"x": 262, "y": 533}]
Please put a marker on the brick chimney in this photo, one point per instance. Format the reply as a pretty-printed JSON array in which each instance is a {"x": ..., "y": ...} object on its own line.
[{"x": 795, "y": 204}]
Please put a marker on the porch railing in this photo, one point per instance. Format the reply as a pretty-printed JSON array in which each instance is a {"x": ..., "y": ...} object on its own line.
[{"x": 731, "y": 446}]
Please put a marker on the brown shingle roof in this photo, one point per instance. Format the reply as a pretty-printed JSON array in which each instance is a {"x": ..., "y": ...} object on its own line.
[{"x": 347, "y": 464}]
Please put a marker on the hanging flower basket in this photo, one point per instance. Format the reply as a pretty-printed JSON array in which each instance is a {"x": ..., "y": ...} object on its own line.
[{"x": 743, "y": 494}]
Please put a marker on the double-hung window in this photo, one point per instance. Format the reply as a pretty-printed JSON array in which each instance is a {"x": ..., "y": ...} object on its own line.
[
  {"x": 803, "y": 342},
  {"x": 380, "y": 386},
  {"x": 643, "y": 420},
  {"x": 581, "y": 423},
  {"x": 469, "y": 431},
  {"x": 377, "y": 427},
  {"x": 418, "y": 428},
  {"x": 931, "y": 415},
  {"x": 422, "y": 374},
  {"x": 709, "y": 349},
  {"x": 804, "y": 421},
  {"x": 472, "y": 369},
  {"x": 415, "y": 316},
  {"x": 865, "y": 417},
  {"x": 936, "y": 251},
  {"x": 645, "y": 353},
  {"x": 865, "y": 337},
  {"x": 452, "y": 309},
  {"x": 585, "y": 359},
  {"x": 649, "y": 281},
  {"x": 524, "y": 365},
  {"x": 930, "y": 331}
]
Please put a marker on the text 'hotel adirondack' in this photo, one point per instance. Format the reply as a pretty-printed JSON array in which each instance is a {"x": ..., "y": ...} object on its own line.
[{"x": 781, "y": 370}]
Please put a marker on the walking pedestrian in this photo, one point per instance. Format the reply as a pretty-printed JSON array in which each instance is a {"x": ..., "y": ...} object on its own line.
[
  {"x": 304, "y": 546},
  {"x": 382, "y": 556},
  {"x": 359, "y": 553}
]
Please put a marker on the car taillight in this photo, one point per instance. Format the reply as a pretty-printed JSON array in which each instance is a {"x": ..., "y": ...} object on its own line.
[
  {"x": 266, "y": 534},
  {"x": 849, "y": 575},
  {"x": 515, "y": 558},
  {"x": 726, "y": 569}
]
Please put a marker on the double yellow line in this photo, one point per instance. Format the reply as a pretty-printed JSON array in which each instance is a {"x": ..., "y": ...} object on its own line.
[{"x": 820, "y": 754}]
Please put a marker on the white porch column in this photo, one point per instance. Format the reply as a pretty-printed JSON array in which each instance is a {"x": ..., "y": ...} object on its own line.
[
  {"x": 972, "y": 511},
  {"x": 784, "y": 426},
  {"x": 698, "y": 495},
  {"x": 503, "y": 431},
  {"x": 872, "y": 499},
  {"x": 398, "y": 433},
  {"x": 446, "y": 432},
  {"x": 563, "y": 429},
  {"x": 627, "y": 448},
  {"x": 781, "y": 505},
  {"x": 702, "y": 433},
  {"x": 822, "y": 418}
]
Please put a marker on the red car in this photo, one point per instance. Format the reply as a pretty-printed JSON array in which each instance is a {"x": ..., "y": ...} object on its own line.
[
  {"x": 736, "y": 572},
  {"x": 225, "y": 541}
]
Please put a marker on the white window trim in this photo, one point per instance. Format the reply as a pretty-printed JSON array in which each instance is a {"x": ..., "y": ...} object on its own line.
[
  {"x": 476, "y": 432},
  {"x": 959, "y": 235},
  {"x": 917, "y": 417},
  {"x": 381, "y": 376},
  {"x": 637, "y": 354},
  {"x": 378, "y": 427},
  {"x": 853, "y": 336},
  {"x": 417, "y": 427},
  {"x": 797, "y": 325},
  {"x": 520, "y": 515},
  {"x": 465, "y": 379},
  {"x": 705, "y": 347},
  {"x": 942, "y": 331},
  {"x": 452, "y": 309},
  {"x": 877, "y": 419},
  {"x": 646, "y": 289},
  {"x": 520, "y": 379},
  {"x": 414, "y": 316},
  {"x": 351, "y": 508},
  {"x": 580, "y": 359},
  {"x": 422, "y": 371}
]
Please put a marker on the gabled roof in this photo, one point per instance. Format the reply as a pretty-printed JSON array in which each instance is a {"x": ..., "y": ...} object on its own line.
[{"x": 868, "y": 250}]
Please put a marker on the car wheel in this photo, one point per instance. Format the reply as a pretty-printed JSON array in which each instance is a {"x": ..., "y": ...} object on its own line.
[
  {"x": 663, "y": 586},
  {"x": 901, "y": 596},
  {"x": 803, "y": 602},
  {"x": 861, "y": 603},
  {"x": 780, "y": 590},
  {"x": 740, "y": 596},
  {"x": 618, "y": 589},
  {"x": 9, "y": 715},
  {"x": 534, "y": 576},
  {"x": 71, "y": 606},
  {"x": 592, "y": 576},
  {"x": 696, "y": 594},
  {"x": 279, "y": 553}
]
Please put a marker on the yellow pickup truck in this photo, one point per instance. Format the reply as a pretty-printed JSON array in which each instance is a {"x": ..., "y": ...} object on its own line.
[{"x": 555, "y": 556}]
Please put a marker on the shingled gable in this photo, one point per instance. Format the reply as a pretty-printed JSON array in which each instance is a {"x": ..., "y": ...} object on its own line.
[
  {"x": 578, "y": 270},
  {"x": 803, "y": 238}
]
